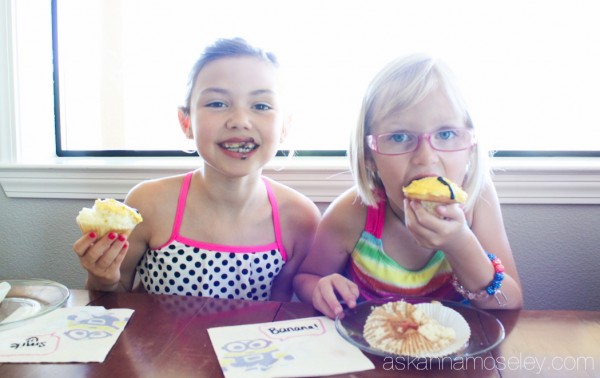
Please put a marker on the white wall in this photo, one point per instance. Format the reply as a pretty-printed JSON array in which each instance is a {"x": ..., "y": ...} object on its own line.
[{"x": 557, "y": 247}]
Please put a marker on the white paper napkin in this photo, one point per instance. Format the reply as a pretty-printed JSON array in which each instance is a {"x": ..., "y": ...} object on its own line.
[
  {"x": 73, "y": 334},
  {"x": 292, "y": 348}
]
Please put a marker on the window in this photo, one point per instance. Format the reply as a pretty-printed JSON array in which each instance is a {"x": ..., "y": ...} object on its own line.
[
  {"x": 560, "y": 57},
  {"x": 528, "y": 69}
]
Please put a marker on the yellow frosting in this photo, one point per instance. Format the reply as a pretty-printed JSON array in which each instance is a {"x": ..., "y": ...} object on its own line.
[
  {"x": 111, "y": 213},
  {"x": 112, "y": 206},
  {"x": 428, "y": 187}
]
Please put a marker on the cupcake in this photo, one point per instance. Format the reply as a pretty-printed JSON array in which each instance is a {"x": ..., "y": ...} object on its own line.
[
  {"x": 108, "y": 215},
  {"x": 422, "y": 330},
  {"x": 434, "y": 191},
  {"x": 403, "y": 329}
]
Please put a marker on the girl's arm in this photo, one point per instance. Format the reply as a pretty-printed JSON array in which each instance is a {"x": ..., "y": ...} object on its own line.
[
  {"x": 466, "y": 248},
  {"x": 488, "y": 228},
  {"x": 156, "y": 200},
  {"x": 111, "y": 261},
  {"x": 299, "y": 218},
  {"x": 319, "y": 280}
]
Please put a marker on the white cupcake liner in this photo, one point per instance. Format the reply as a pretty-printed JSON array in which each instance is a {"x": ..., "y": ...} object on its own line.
[{"x": 448, "y": 318}]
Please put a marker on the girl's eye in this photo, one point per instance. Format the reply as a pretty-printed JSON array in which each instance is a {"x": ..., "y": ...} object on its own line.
[
  {"x": 446, "y": 134},
  {"x": 262, "y": 107},
  {"x": 399, "y": 137},
  {"x": 216, "y": 104}
]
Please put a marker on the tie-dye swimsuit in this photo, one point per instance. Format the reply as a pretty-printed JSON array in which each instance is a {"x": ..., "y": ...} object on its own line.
[
  {"x": 188, "y": 267},
  {"x": 378, "y": 276}
]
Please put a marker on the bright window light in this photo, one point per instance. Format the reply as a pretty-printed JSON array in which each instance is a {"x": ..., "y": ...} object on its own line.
[{"x": 528, "y": 69}]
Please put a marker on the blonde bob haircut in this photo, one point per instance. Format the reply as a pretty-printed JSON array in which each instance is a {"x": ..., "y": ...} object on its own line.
[{"x": 399, "y": 85}]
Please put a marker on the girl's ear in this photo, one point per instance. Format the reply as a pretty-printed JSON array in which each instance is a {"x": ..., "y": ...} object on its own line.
[
  {"x": 369, "y": 161},
  {"x": 371, "y": 167},
  {"x": 184, "y": 123},
  {"x": 285, "y": 129}
]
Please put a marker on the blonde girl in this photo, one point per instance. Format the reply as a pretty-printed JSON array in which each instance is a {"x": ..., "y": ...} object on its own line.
[{"x": 372, "y": 242}]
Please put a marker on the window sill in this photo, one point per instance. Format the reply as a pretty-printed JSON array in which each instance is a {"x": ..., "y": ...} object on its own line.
[{"x": 518, "y": 180}]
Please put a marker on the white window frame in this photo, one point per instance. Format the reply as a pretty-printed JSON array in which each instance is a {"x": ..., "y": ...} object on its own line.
[{"x": 565, "y": 180}]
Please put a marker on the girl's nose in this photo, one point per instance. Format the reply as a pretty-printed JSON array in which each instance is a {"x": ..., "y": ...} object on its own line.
[
  {"x": 238, "y": 118},
  {"x": 425, "y": 154}
]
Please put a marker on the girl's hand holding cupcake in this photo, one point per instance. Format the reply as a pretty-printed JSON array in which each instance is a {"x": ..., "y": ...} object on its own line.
[
  {"x": 446, "y": 228},
  {"x": 442, "y": 198},
  {"x": 103, "y": 245}
]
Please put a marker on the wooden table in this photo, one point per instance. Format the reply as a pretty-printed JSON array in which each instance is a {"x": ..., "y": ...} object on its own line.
[{"x": 167, "y": 337}]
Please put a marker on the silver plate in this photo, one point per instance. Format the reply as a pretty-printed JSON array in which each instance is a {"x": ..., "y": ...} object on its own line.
[
  {"x": 351, "y": 322},
  {"x": 32, "y": 298}
]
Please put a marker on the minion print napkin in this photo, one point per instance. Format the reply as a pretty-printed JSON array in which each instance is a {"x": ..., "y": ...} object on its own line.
[
  {"x": 73, "y": 334},
  {"x": 291, "y": 348}
]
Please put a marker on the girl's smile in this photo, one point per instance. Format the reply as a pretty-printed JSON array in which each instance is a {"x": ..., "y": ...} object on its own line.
[
  {"x": 235, "y": 113},
  {"x": 239, "y": 148}
]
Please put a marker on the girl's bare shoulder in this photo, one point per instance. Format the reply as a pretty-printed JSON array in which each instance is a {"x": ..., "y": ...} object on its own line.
[
  {"x": 294, "y": 206},
  {"x": 342, "y": 224},
  {"x": 347, "y": 213},
  {"x": 152, "y": 195}
]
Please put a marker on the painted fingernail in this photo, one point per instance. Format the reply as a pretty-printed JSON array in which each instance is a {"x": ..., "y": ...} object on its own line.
[
  {"x": 121, "y": 237},
  {"x": 112, "y": 236},
  {"x": 125, "y": 245},
  {"x": 92, "y": 235}
]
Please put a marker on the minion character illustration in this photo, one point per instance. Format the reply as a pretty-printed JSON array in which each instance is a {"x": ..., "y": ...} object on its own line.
[
  {"x": 257, "y": 354},
  {"x": 93, "y": 327}
]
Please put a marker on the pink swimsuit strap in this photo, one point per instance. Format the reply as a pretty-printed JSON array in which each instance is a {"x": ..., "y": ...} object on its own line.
[
  {"x": 242, "y": 249},
  {"x": 375, "y": 219}
]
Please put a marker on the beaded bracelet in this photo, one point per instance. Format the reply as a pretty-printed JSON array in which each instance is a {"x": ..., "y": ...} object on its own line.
[{"x": 492, "y": 289}]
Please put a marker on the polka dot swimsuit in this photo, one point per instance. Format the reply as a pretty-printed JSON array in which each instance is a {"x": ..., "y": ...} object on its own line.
[{"x": 188, "y": 267}]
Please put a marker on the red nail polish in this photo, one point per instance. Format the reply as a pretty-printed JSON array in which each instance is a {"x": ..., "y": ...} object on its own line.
[
  {"x": 121, "y": 237},
  {"x": 92, "y": 235},
  {"x": 112, "y": 236}
]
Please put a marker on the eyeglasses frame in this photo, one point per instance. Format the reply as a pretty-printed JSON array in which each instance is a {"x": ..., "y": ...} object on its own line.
[{"x": 372, "y": 141}]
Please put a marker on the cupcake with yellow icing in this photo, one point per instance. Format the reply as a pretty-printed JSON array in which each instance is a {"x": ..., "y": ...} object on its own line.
[
  {"x": 434, "y": 191},
  {"x": 108, "y": 215}
]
